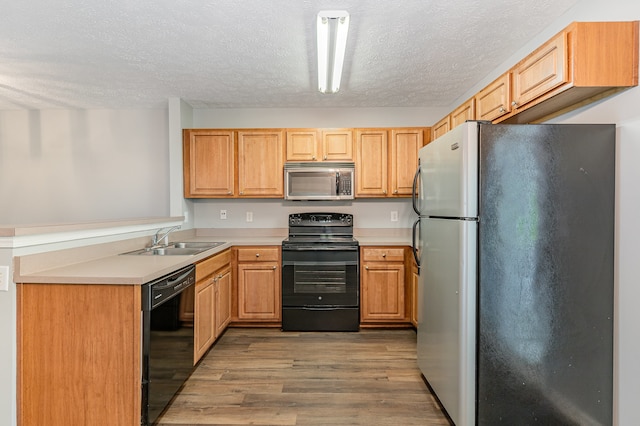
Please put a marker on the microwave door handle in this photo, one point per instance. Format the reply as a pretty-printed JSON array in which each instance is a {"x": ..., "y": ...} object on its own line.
[{"x": 337, "y": 183}]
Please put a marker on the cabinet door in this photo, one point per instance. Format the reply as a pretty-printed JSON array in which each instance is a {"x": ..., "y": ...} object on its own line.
[
  {"x": 261, "y": 164},
  {"x": 223, "y": 301},
  {"x": 302, "y": 145},
  {"x": 466, "y": 111},
  {"x": 543, "y": 70},
  {"x": 441, "y": 127},
  {"x": 204, "y": 331},
  {"x": 208, "y": 163},
  {"x": 259, "y": 291},
  {"x": 337, "y": 145},
  {"x": 494, "y": 100},
  {"x": 405, "y": 144},
  {"x": 371, "y": 163},
  {"x": 382, "y": 292}
]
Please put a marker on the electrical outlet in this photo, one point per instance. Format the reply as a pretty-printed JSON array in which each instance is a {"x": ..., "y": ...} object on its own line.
[
  {"x": 223, "y": 214},
  {"x": 249, "y": 216},
  {"x": 4, "y": 278},
  {"x": 394, "y": 216}
]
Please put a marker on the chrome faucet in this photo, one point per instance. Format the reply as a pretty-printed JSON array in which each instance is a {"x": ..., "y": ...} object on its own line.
[{"x": 157, "y": 238}]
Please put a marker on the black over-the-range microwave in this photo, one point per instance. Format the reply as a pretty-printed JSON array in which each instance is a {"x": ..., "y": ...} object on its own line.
[{"x": 319, "y": 181}]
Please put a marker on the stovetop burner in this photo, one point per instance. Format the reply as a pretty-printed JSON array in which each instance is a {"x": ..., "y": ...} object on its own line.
[{"x": 320, "y": 229}]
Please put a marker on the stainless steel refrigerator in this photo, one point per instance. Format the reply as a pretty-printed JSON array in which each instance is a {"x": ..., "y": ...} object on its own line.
[{"x": 516, "y": 246}]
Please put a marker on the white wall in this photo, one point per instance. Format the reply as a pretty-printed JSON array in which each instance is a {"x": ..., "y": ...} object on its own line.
[
  {"x": 373, "y": 213},
  {"x": 316, "y": 117},
  {"x": 59, "y": 166}
]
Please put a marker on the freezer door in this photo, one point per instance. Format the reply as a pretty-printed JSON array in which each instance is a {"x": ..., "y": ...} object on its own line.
[
  {"x": 449, "y": 174},
  {"x": 447, "y": 314}
]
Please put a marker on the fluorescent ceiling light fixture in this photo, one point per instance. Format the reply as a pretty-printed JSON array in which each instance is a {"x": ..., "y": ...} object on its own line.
[{"x": 333, "y": 26}]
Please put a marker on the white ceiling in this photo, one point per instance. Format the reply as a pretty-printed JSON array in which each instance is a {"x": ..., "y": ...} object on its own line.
[{"x": 253, "y": 53}]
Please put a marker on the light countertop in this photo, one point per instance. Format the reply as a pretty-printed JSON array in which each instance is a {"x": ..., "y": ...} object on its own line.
[{"x": 79, "y": 267}]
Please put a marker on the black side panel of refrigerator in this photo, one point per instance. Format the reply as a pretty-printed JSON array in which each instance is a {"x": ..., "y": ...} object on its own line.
[{"x": 546, "y": 270}]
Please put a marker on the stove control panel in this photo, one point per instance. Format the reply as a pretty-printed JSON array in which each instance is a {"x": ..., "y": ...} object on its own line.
[{"x": 320, "y": 219}]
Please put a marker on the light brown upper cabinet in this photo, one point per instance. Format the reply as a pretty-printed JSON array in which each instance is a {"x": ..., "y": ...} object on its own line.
[
  {"x": 337, "y": 145},
  {"x": 494, "y": 100},
  {"x": 441, "y": 127},
  {"x": 319, "y": 145},
  {"x": 371, "y": 162},
  {"x": 261, "y": 163},
  {"x": 209, "y": 163},
  {"x": 386, "y": 160},
  {"x": 584, "y": 62},
  {"x": 404, "y": 144},
  {"x": 466, "y": 111},
  {"x": 302, "y": 145},
  {"x": 543, "y": 70}
]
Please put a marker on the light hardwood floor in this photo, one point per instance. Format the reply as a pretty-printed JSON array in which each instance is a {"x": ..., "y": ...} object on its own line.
[{"x": 270, "y": 377}]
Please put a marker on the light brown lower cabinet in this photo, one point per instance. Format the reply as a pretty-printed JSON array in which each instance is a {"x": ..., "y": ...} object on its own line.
[
  {"x": 79, "y": 352},
  {"x": 259, "y": 285},
  {"x": 212, "y": 301},
  {"x": 382, "y": 286}
]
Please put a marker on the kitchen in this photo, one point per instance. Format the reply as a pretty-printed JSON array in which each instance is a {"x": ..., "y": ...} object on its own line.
[{"x": 136, "y": 133}]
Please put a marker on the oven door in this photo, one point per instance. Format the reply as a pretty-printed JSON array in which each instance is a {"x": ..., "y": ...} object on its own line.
[{"x": 313, "y": 277}]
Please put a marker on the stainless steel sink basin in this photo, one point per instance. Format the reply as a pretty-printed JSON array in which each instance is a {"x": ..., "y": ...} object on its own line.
[
  {"x": 200, "y": 244},
  {"x": 176, "y": 249}
]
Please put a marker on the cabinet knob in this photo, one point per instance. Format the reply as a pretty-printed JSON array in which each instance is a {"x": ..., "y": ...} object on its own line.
[
  {"x": 241, "y": 192},
  {"x": 514, "y": 104},
  {"x": 395, "y": 191},
  {"x": 229, "y": 193},
  {"x": 384, "y": 254},
  {"x": 366, "y": 267},
  {"x": 274, "y": 267},
  {"x": 219, "y": 276},
  {"x": 325, "y": 157},
  {"x": 502, "y": 109},
  {"x": 313, "y": 158},
  {"x": 257, "y": 254},
  {"x": 384, "y": 192}
]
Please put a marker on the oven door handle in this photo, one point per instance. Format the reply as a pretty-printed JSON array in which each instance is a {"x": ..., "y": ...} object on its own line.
[
  {"x": 319, "y": 248},
  {"x": 324, "y": 308},
  {"x": 317, "y": 262}
]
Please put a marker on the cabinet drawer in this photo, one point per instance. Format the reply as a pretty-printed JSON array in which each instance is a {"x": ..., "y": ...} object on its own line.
[
  {"x": 259, "y": 254},
  {"x": 212, "y": 264},
  {"x": 383, "y": 254}
]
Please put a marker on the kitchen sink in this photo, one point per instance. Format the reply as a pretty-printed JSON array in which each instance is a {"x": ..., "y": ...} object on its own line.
[
  {"x": 176, "y": 249},
  {"x": 205, "y": 245}
]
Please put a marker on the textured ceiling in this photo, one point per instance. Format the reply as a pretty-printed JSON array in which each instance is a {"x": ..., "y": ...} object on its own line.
[{"x": 253, "y": 53}]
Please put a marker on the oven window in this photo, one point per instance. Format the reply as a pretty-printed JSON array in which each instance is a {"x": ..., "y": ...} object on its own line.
[{"x": 319, "y": 278}]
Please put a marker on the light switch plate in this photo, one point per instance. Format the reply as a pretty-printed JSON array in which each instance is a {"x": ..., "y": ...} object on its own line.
[{"x": 4, "y": 278}]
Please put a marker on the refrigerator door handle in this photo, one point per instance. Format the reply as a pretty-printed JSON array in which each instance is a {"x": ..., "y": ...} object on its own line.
[
  {"x": 414, "y": 246},
  {"x": 414, "y": 194}
]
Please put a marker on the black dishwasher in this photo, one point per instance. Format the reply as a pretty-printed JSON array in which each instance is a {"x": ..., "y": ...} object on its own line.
[{"x": 167, "y": 342}]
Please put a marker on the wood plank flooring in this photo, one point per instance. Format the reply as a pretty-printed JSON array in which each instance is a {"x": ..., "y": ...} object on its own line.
[{"x": 270, "y": 377}]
